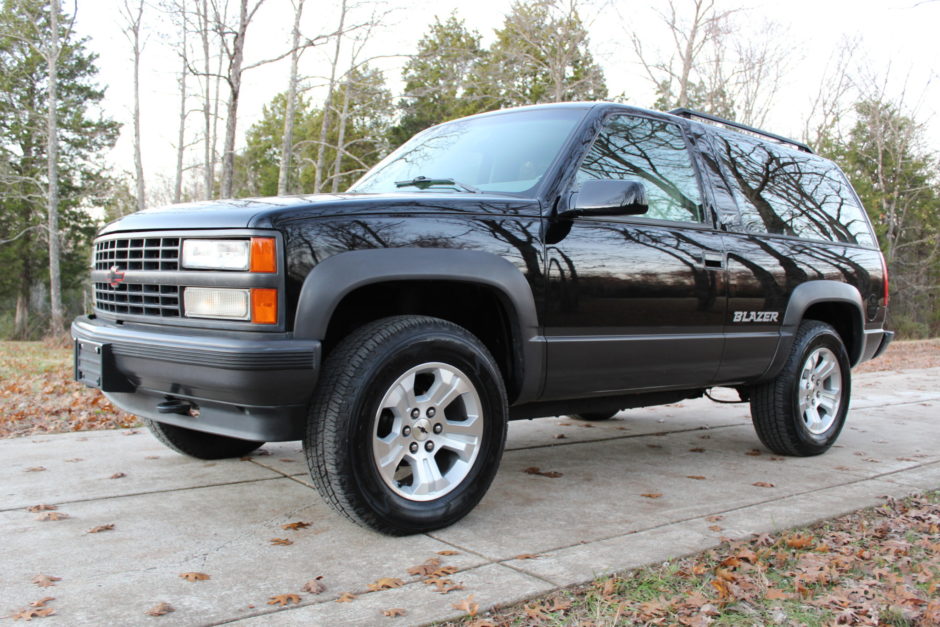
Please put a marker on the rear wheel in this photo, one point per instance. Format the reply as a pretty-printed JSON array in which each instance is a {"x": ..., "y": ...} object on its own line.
[
  {"x": 801, "y": 412},
  {"x": 595, "y": 416},
  {"x": 407, "y": 425},
  {"x": 200, "y": 444}
]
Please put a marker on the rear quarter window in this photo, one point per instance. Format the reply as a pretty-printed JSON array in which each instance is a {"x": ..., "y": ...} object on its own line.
[{"x": 786, "y": 192}]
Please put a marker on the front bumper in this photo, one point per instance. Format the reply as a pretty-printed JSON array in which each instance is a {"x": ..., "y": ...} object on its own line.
[{"x": 246, "y": 385}]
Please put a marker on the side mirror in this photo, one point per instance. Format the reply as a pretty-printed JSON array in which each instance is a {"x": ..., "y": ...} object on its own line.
[{"x": 608, "y": 198}]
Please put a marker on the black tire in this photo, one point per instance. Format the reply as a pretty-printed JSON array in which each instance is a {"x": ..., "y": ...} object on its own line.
[
  {"x": 595, "y": 416},
  {"x": 781, "y": 424},
  {"x": 347, "y": 424},
  {"x": 200, "y": 444}
]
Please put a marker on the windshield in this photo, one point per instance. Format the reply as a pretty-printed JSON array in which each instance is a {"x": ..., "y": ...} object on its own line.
[{"x": 497, "y": 153}]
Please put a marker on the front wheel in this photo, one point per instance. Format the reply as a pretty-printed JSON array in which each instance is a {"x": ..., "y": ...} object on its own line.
[
  {"x": 407, "y": 425},
  {"x": 801, "y": 412}
]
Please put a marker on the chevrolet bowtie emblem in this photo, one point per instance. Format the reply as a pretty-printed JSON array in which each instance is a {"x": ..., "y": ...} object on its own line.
[{"x": 115, "y": 276}]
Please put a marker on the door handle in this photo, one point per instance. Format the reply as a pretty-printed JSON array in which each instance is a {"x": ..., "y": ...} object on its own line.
[{"x": 713, "y": 261}]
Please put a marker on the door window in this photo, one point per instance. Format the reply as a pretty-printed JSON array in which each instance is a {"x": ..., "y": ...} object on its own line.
[{"x": 653, "y": 152}]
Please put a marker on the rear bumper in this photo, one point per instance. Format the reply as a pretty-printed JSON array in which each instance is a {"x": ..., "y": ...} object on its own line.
[
  {"x": 876, "y": 342},
  {"x": 246, "y": 385}
]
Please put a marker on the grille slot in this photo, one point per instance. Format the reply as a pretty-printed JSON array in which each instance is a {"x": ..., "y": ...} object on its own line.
[
  {"x": 139, "y": 299},
  {"x": 138, "y": 253}
]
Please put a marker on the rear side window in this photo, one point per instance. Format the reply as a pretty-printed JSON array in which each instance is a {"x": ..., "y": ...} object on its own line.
[
  {"x": 786, "y": 192},
  {"x": 653, "y": 152}
]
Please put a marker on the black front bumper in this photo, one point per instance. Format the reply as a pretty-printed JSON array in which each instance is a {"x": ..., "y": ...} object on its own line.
[{"x": 246, "y": 385}]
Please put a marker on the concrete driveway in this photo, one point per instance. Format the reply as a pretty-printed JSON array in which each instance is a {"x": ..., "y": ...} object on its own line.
[{"x": 531, "y": 533}]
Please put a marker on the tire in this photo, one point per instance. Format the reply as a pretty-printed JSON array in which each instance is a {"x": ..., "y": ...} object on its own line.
[
  {"x": 595, "y": 416},
  {"x": 801, "y": 412},
  {"x": 200, "y": 444},
  {"x": 363, "y": 413}
]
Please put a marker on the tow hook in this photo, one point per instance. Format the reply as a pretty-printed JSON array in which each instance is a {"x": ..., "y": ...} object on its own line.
[{"x": 175, "y": 406}]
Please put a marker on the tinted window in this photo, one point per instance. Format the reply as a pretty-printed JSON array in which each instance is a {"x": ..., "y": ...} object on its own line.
[
  {"x": 654, "y": 153},
  {"x": 497, "y": 153},
  {"x": 786, "y": 192}
]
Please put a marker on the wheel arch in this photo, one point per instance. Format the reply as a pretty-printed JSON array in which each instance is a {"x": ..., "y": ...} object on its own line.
[
  {"x": 336, "y": 296},
  {"x": 837, "y": 304}
]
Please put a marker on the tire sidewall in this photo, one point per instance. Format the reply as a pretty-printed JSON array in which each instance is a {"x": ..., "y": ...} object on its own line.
[
  {"x": 820, "y": 336},
  {"x": 406, "y": 351}
]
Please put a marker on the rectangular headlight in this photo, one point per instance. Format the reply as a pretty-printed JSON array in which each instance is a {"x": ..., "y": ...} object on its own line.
[
  {"x": 205, "y": 302},
  {"x": 216, "y": 254}
]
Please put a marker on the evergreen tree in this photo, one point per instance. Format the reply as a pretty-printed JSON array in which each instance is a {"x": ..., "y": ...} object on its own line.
[
  {"x": 436, "y": 78},
  {"x": 540, "y": 55},
  {"x": 896, "y": 179},
  {"x": 82, "y": 136}
]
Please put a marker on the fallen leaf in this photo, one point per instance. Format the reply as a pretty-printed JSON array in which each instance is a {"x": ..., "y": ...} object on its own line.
[
  {"x": 152, "y": 457},
  {"x": 714, "y": 518},
  {"x": 467, "y": 605},
  {"x": 444, "y": 570},
  {"x": 534, "y": 470},
  {"x": 41, "y": 508},
  {"x": 425, "y": 569},
  {"x": 287, "y": 460},
  {"x": 41, "y": 602},
  {"x": 35, "y": 469},
  {"x": 314, "y": 586},
  {"x": 654, "y": 446},
  {"x": 527, "y": 556},
  {"x": 100, "y": 528},
  {"x": 652, "y": 495},
  {"x": 773, "y": 594},
  {"x": 346, "y": 597},
  {"x": 29, "y": 614},
  {"x": 52, "y": 516},
  {"x": 295, "y": 525},
  {"x": 386, "y": 583},
  {"x": 195, "y": 576},
  {"x": 160, "y": 609},
  {"x": 716, "y": 528},
  {"x": 281, "y": 541},
  {"x": 559, "y": 436},
  {"x": 754, "y": 452},
  {"x": 799, "y": 541},
  {"x": 763, "y": 484},
  {"x": 697, "y": 450},
  {"x": 395, "y": 611},
  {"x": 696, "y": 477},
  {"x": 448, "y": 552},
  {"x": 284, "y": 599},
  {"x": 117, "y": 475},
  {"x": 74, "y": 460},
  {"x": 45, "y": 581}
]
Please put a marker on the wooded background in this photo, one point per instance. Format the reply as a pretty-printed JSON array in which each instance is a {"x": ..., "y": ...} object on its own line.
[{"x": 323, "y": 130}]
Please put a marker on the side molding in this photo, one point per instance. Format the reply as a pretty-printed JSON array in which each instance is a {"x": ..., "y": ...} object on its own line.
[
  {"x": 335, "y": 277},
  {"x": 805, "y": 296}
]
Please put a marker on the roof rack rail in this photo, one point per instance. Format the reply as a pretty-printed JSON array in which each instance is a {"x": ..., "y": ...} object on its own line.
[{"x": 689, "y": 114}]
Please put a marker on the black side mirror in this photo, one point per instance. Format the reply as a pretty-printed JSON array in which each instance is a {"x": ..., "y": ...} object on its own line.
[{"x": 608, "y": 198}]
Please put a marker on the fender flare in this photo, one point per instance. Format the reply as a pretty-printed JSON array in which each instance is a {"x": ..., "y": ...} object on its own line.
[
  {"x": 805, "y": 296},
  {"x": 335, "y": 277}
]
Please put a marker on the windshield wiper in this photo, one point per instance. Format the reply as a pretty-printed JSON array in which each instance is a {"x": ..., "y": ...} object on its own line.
[{"x": 423, "y": 182}]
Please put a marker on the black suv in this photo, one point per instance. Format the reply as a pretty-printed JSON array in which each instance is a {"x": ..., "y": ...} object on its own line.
[{"x": 561, "y": 259}]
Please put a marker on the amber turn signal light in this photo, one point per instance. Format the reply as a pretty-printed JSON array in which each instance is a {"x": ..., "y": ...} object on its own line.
[
  {"x": 263, "y": 257},
  {"x": 263, "y": 306}
]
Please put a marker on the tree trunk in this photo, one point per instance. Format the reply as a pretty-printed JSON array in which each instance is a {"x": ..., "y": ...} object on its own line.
[
  {"x": 235, "y": 85},
  {"x": 328, "y": 105},
  {"x": 202, "y": 10},
  {"x": 181, "y": 138},
  {"x": 21, "y": 318},
  {"x": 52, "y": 151},
  {"x": 133, "y": 33},
  {"x": 341, "y": 139},
  {"x": 287, "y": 141}
]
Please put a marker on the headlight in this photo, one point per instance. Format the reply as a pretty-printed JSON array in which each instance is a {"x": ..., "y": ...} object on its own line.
[
  {"x": 216, "y": 254},
  {"x": 204, "y": 302}
]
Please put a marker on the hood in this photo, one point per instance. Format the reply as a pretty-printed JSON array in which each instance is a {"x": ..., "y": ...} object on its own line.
[{"x": 270, "y": 212}]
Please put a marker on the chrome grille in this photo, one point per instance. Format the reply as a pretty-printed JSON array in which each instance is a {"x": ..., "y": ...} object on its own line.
[
  {"x": 138, "y": 299},
  {"x": 144, "y": 253}
]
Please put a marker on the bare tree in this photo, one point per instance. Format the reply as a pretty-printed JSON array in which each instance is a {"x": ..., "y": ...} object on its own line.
[
  {"x": 831, "y": 100},
  {"x": 762, "y": 61},
  {"x": 328, "y": 104},
  {"x": 184, "y": 72},
  {"x": 691, "y": 36},
  {"x": 287, "y": 140},
  {"x": 133, "y": 17}
]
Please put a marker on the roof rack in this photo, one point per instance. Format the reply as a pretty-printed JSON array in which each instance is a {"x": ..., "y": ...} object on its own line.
[{"x": 689, "y": 114}]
